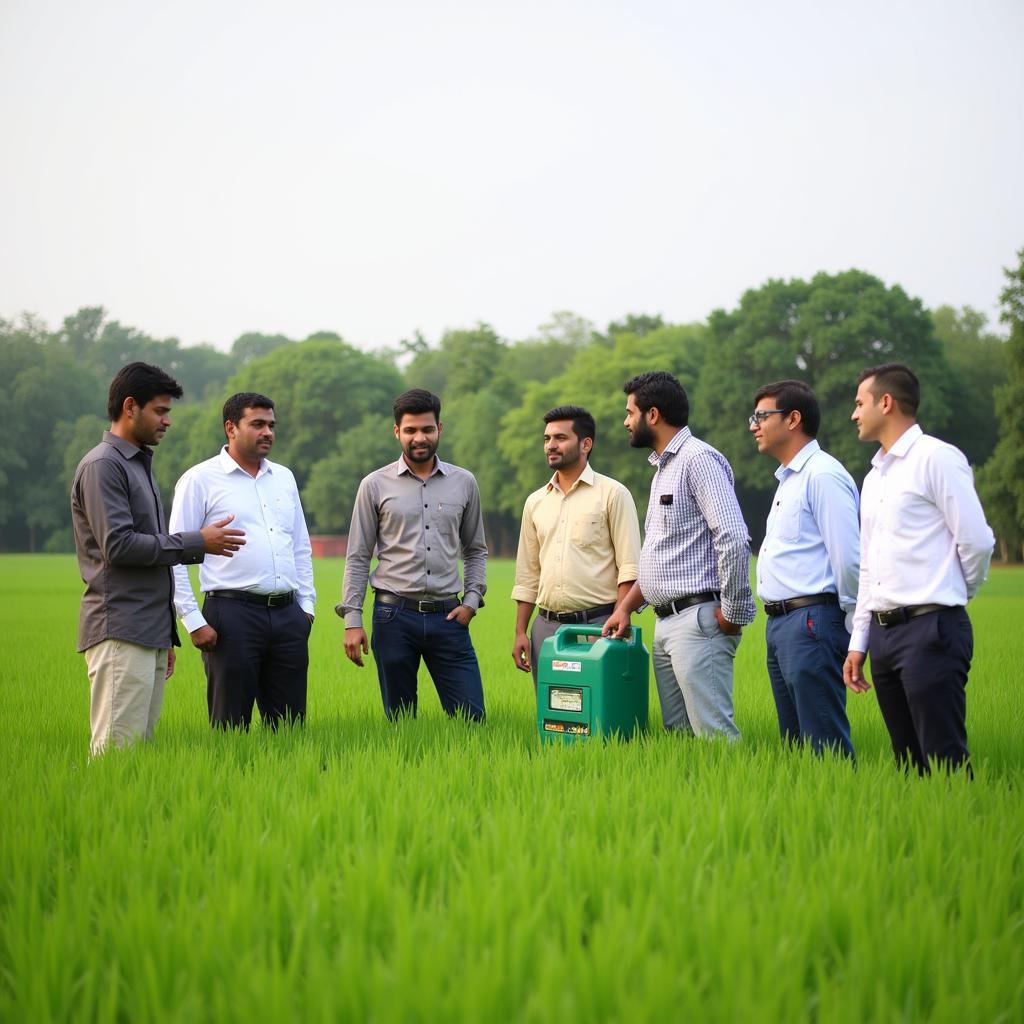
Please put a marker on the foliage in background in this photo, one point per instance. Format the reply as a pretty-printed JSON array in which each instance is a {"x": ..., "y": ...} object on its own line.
[{"x": 334, "y": 400}]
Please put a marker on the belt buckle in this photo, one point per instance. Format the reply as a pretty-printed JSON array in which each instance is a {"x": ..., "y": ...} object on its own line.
[{"x": 422, "y": 610}]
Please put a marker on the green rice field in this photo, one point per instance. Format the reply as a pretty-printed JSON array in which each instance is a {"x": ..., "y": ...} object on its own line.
[{"x": 433, "y": 870}]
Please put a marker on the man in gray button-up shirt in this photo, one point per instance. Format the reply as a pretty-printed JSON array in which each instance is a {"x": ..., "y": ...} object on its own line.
[
  {"x": 126, "y": 627},
  {"x": 420, "y": 514}
]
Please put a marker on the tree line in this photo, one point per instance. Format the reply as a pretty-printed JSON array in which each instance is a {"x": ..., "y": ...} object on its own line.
[{"x": 333, "y": 399}]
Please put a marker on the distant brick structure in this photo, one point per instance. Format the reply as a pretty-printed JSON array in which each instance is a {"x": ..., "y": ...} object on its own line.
[{"x": 329, "y": 545}]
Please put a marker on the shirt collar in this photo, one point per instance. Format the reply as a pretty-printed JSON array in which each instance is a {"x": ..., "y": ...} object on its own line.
[
  {"x": 229, "y": 465},
  {"x": 799, "y": 460},
  {"x": 671, "y": 448},
  {"x": 126, "y": 448},
  {"x": 401, "y": 466},
  {"x": 586, "y": 477},
  {"x": 903, "y": 445}
]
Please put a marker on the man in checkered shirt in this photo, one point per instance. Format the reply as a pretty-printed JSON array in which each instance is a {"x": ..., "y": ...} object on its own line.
[{"x": 695, "y": 562}]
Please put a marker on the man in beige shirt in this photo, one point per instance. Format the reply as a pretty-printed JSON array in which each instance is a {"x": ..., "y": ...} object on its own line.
[{"x": 579, "y": 544}]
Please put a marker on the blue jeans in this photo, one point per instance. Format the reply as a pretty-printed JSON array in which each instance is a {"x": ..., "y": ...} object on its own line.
[
  {"x": 401, "y": 636},
  {"x": 806, "y": 651}
]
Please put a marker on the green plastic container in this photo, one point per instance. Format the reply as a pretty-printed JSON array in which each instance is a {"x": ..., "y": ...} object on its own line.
[{"x": 589, "y": 685}]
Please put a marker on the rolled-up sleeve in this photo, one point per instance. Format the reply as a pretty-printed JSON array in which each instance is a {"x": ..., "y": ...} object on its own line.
[
  {"x": 624, "y": 526},
  {"x": 527, "y": 558},
  {"x": 712, "y": 488}
]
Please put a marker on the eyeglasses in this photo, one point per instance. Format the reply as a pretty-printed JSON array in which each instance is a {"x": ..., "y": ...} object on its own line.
[{"x": 762, "y": 414}]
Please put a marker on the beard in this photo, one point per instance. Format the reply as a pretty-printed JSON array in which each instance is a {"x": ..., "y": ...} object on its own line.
[
  {"x": 642, "y": 436},
  {"x": 424, "y": 454}
]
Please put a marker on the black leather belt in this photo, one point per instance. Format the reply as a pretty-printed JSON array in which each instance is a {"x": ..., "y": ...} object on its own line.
[
  {"x": 426, "y": 607},
  {"x": 774, "y": 608},
  {"x": 897, "y": 616},
  {"x": 251, "y": 597},
  {"x": 583, "y": 615},
  {"x": 673, "y": 607}
]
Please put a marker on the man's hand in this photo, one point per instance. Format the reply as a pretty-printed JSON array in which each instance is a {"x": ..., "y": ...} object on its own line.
[
  {"x": 521, "y": 652},
  {"x": 356, "y": 645},
  {"x": 170, "y": 663},
  {"x": 616, "y": 625},
  {"x": 218, "y": 540},
  {"x": 462, "y": 614},
  {"x": 727, "y": 627},
  {"x": 205, "y": 638},
  {"x": 853, "y": 672}
]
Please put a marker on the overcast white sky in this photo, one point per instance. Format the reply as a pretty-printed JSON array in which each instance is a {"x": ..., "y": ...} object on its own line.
[{"x": 207, "y": 168}]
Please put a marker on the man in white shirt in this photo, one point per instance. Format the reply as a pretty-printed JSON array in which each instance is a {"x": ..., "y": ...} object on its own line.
[
  {"x": 807, "y": 569},
  {"x": 925, "y": 549},
  {"x": 254, "y": 626}
]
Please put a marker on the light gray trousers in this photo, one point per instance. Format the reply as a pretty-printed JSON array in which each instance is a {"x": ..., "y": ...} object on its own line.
[{"x": 693, "y": 667}]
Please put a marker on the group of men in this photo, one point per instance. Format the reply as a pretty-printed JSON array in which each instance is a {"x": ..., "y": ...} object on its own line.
[{"x": 889, "y": 572}]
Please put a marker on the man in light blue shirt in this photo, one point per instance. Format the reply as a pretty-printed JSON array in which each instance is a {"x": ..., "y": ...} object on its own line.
[{"x": 807, "y": 569}]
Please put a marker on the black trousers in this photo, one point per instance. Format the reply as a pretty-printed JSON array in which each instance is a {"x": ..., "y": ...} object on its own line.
[
  {"x": 919, "y": 670},
  {"x": 261, "y": 657}
]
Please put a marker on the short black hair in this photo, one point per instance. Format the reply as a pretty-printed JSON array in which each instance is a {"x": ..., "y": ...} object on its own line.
[
  {"x": 235, "y": 406},
  {"x": 583, "y": 424},
  {"x": 141, "y": 381},
  {"x": 898, "y": 380},
  {"x": 794, "y": 396},
  {"x": 660, "y": 390},
  {"x": 416, "y": 401}
]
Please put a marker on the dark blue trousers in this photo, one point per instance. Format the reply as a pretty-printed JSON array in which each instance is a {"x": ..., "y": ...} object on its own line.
[
  {"x": 401, "y": 637},
  {"x": 919, "y": 671},
  {"x": 261, "y": 658},
  {"x": 806, "y": 651}
]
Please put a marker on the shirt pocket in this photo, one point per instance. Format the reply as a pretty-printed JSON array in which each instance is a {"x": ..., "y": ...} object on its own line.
[
  {"x": 587, "y": 530},
  {"x": 449, "y": 515},
  {"x": 784, "y": 522},
  {"x": 284, "y": 510}
]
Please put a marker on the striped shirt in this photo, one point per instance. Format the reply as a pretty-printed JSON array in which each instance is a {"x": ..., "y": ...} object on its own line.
[{"x": 695, "y": 537}]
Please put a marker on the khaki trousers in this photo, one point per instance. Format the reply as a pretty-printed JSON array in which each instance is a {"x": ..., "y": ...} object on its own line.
[{"x": 126, "y": 692}]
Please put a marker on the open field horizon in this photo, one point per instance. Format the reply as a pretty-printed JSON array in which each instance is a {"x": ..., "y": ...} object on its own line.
[{"x": 364, "y": 870}]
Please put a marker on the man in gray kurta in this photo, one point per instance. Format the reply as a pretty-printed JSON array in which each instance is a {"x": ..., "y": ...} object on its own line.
[
  {"x": 420, "y": 514},
  {"x": 126, "y": 627}
]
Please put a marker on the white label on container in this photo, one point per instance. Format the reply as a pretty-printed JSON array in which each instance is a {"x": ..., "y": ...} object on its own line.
[
  {"x": 565, "y": 700},
  {"x": 567, "y": 666}
]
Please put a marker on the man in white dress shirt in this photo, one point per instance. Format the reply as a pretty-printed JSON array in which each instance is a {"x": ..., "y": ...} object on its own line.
[
  {"x": 254, "y": 626},
  {"x": 925, "y": 549},
  {"x": 807, "y": 569}
]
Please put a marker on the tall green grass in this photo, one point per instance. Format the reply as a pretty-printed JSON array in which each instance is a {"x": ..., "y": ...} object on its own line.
[{"x": 433, "y": 870}]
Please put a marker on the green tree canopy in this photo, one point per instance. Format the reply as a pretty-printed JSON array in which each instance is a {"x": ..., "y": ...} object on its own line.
[{"x": 824, "y": 332}]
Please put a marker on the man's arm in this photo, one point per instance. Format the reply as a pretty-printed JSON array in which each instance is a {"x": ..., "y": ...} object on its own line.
[
  {"x": 853, "y": 667},
  {"x": 952, "y": 487},
  {"x": 474, "y": 551},
  {"x": 521, "y": 644},
  {"x": 617, "y": 624},
  {"x": 104, "y": 494},
  {"x": 713, "y": 490},
  {"x": 624, "y": 529},
  {"x": 188, "y": 513},
  {"x": 524, "y": 592},
  {"x": 303, "y": 554},
  {"x": 836, "y": 511},
  {"x": 362, "y": 538}
]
